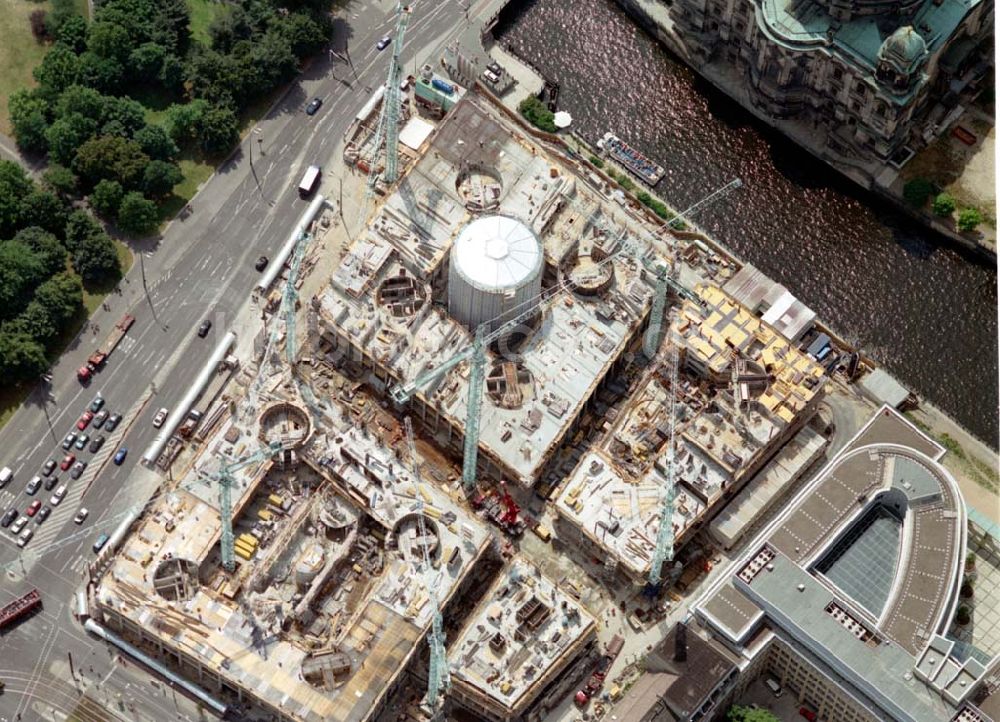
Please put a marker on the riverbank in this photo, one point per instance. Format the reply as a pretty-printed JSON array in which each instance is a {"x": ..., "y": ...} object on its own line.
[{"x": 881, "y": 179}]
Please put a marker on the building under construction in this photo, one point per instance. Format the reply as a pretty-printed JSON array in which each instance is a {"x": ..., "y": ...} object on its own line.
[{"x": 746, "y": 392}]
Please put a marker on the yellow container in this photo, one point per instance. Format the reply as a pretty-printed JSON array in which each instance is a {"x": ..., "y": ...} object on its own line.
[
  {"x": 543, "y": 533},
  {"x": 243, "y": 552},
  {"x": 276, "y": 500},
  {"x": 264, "y": 515},
  {"x": 249, "y": 540}
]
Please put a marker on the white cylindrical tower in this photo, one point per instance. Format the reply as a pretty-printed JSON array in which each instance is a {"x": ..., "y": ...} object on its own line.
[{"x": 494, "y": 272}]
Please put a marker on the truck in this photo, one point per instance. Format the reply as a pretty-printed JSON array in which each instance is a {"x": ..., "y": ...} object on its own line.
[
  {"x": 100, "y": 356},
  {"x": 23, "y": 605}
]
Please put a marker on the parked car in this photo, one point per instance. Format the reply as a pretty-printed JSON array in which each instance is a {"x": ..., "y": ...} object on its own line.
[
  {"x": 33, "y": 486},
  {"x": 9, "y": 516},
  {"x": 43, "y": 514},
  {"x": 101, "y": 541},
  {"x": 494, "y": 68},
  {"x": 113, "y": 422},
  {"x": 204, "y": 328},
  {"x": 25, "y": 537},
  {"x": 120, "y": 456},
  {"x": 160, "y": 417},
  {"x": 85, "y": 420},
  {"x": 100, "y": 418},
  {"x": 18, "y": 525},
  {"x": 81, "y": 441},
  {"x": 33, "y": 508},
  {"x": 81, "y": 515},
  {"x": 313, "y": 106},
  {"x": 78, "y": 469},
  {"x": 96, "y": 444},
  {"x": 67, "y": 461},
  {"x": 51, "y": 482},
  {"x": 383, "y": 42},
  {"x": 261, "y": 263},
  {"x": 49, "y": 467},
  {"x": 58, "y": 496},
  {"x": 96, "y": 404},
  {"x": 68, "y": 441}
]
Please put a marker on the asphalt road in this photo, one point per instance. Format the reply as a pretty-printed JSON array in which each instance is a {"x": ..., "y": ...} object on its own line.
[{"x": 202, "y": 267}]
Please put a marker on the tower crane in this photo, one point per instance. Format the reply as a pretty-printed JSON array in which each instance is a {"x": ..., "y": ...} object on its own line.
[
  {"x": 664, "y": 550},
  {"x": 437, "y": 673},
  {"x": 387, "y": 129},
  {"x": 225, "y": 479}
]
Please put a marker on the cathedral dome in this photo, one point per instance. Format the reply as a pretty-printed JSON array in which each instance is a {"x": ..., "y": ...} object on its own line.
[{"x": 904, "y": 50}]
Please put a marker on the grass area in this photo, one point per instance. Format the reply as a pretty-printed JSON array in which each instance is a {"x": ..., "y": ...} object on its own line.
[
  {"x": 19, "y": 52},
  {"x": 979, "y": 471},
  {"x": 196, "y": 171},
  {"x": 203, "y": 12}
]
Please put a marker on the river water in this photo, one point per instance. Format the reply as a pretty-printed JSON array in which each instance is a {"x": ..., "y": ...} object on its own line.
[{"x": 880, "y": 280}]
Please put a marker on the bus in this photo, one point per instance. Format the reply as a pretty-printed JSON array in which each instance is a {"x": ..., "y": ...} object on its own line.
[{"x": 309, "y": 181}]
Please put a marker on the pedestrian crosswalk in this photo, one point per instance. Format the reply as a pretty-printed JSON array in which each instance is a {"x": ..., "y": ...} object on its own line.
[{"x": 52, "y": 531}]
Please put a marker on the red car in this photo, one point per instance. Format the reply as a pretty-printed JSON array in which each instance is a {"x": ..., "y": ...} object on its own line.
[
  {"x": 84, "y": 421},
  {"x": 33, "y": 509},
  {"x": 807, "y": 713},
  {"x": 67, "y": 461}
]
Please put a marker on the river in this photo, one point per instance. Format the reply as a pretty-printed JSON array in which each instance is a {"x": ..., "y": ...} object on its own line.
[{"x": 897, "y": 289}]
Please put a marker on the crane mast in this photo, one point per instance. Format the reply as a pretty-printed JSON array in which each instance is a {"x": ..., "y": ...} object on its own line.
[
  {"x": 226, "y": 480},
  {"x": 437, "y": 673},
  {"x": 664, "y": 550}
]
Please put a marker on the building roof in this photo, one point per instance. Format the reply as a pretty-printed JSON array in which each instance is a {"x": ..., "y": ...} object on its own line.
[
  {"x": 805, "y": 573},
  {"x": 497, "y": 252}
]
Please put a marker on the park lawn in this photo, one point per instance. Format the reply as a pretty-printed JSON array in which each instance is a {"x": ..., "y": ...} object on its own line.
[
  {"x": 196, "y": 170},
  {"x": 19, "y": 52},
  {"x": 203, "y": 12}
]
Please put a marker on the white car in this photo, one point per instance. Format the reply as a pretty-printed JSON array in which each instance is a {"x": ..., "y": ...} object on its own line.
[
  {"x": 58, "y": 496},
  {"x": 160, "y": 417},
  {"x": 22, "y": 541},
  {"x": 81, "y": 515},
  {"x": 18, "y": 525}
]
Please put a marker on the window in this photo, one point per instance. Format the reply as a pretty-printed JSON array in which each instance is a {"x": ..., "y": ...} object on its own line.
[
  {"x": 838, "y": 73},
  {"x": 856, "y": 106}
]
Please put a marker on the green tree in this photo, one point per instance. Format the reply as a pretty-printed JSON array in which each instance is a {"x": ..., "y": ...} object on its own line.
[
  {"x": 537, "y": 114},
  {"x": 137, "y": 216},
  {"x": 943, "y": 205},
  {"x": 60, "y": 180},
  {"x": 14, "y": 186},
  {"x": 29, "y": 121},
  {"x": 103, "y": 74},
  {"x": 66, "y": 135},
  {"x": 96, "y": 259},
  {"x": 38, "y": 323},
  {"x": 737, "y": 713},
  {"x": 72, "y": 32},
  {"x": 182, "y": 121},
  {"x": 21, "y": 269},
  {"x": 146, "y": 62},
  {"x": 107, "y": 197},
  {"x": 62, "y": 297},
  {"x": 109, "y": 40},
  {"x": 219, "y": 130},
  {"x": 969, "y": 219},
  {"x": 111, "y": 157},
  {"x": 63, "y": 13},
  {"x": 304, "y": 35},
  {"x": 79, "y": 227},
  {"x": 129, "y": 113},
  {"x": 78, "y": 99},
  {"x": 160, "y": 178},
  {"x": 58, "y": 69},
  {"x": 155, "y": 143},
  {"x": 45, "y": 210},
  {"x": 172, "y": 74},
  {"x": 45, "y": 246},
  {"x": 916, "y": 191},
  {"x": 21, "y": 357}
]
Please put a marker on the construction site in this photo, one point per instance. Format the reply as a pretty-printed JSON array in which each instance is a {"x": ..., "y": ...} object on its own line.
[{"x": 337, "y": 535}]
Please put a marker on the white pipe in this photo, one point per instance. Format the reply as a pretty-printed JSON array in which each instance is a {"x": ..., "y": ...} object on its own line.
[
  {"x": 120, "y": 531},
  {"x": 108, "y": 636},
  {"x": 180, "y": 411},
  {"x": 267, "y": 278},
  {"x": 368, "y": 107}
]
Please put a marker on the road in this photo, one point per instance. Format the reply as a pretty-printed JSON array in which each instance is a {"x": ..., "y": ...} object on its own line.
[{"x": 202, "y": 267}]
